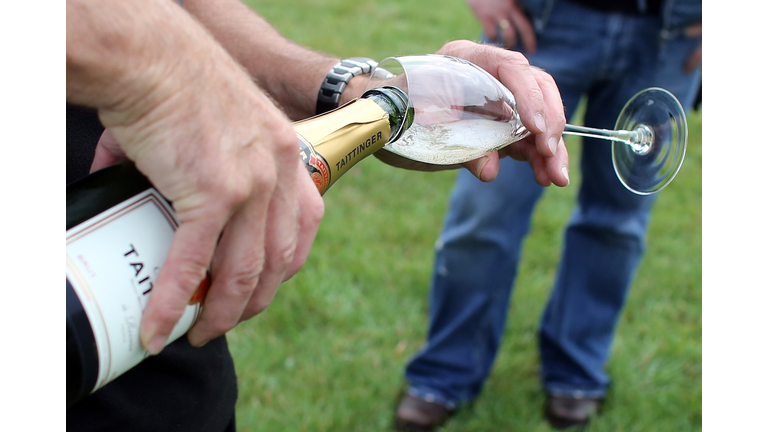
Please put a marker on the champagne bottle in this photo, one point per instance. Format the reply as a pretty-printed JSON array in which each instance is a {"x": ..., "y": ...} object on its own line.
[{"x": 119, "y": 230}]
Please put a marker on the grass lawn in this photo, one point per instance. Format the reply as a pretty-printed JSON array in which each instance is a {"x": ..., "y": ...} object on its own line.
[{"x": 329, "y": 353}]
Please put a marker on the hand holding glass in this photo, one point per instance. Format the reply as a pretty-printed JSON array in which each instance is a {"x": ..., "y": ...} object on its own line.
[{"x": 462, "y": 112}]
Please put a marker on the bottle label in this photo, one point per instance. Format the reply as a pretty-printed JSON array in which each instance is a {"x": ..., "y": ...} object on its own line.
[
  {"x": 112, "y": 262},
  {"x": 334, "y": 142}
]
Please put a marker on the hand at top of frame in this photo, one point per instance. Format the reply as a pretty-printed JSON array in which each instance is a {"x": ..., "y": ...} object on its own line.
[{"x": 504, "y": 21}]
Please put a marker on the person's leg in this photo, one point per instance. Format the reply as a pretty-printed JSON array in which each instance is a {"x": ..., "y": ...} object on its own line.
[
  {"x": 475, "y": 265},
  {"x": 605, "y": 238}
]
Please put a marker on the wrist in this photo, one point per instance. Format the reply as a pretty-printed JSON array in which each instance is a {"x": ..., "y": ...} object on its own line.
[
  {"x": 355, "y": 88},
  {"x": 114, "y": 60},
  {"x": 348, "y": 72}
]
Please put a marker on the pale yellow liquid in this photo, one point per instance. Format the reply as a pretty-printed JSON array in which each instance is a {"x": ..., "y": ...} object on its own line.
[{"x": 455, "y": 142}]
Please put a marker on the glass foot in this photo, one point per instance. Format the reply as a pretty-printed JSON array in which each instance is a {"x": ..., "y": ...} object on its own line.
[{"x": 657, "y": 117}]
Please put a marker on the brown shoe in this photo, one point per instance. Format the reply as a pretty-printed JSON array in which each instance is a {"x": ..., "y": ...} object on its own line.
[
  {"x": 567, "y": 412},
  {"x": 417, "y": 415}
]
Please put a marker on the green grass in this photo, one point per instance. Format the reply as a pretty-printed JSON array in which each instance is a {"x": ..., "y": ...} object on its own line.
[{"x": 329, "y": 353}]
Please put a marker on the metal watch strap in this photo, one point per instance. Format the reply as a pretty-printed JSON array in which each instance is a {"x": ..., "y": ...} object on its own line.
[{"x": 338, "y": 78}]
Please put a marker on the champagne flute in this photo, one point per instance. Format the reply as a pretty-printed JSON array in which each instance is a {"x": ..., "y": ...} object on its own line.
[{"x": 462, "y": 112}]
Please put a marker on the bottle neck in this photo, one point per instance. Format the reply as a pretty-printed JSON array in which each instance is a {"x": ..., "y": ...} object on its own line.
[
  {"x": 395, "y": 102},
  {"x": 333, "y": 142}
]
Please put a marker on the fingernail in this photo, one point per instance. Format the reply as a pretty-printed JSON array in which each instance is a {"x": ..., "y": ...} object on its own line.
[
  {"x": 565, "y": 173},
  {"x": 538, "y": 120},
  {"x": 481, "y": 165},
  {"x": 552, "y": 143},
  {"x": 156, "y": 344}
]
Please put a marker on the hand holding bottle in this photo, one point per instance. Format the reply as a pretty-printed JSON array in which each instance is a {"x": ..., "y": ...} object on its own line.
[{"x": 213, "y": 144}]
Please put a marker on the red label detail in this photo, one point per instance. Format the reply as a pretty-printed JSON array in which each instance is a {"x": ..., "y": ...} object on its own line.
[
  {"x": 201, "y": 290},
  {"x": 320, "y": 165}
]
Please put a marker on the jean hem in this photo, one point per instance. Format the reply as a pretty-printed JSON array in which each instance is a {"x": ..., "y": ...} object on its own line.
[
  {"x": 432, "y": 396},
  {"x": 576, "y": 393}
]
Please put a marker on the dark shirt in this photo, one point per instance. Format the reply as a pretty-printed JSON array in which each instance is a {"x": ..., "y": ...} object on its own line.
[
  {"x": 183, "y": 388},
  {"x": 653, "y": 7}
]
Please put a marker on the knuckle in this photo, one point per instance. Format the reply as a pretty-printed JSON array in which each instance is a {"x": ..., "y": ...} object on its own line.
[
  {"x": 281, "y": 256},
  {"x": 453, "y": 46},
  {"x": 190, "y": 273},
  {"x": 286, "y": 142},
  {"x": 264, "y": 179},
  {"x": 226, "y": 191},
  {"x": 534, "y": 95},
  {"x": 516, "y": 58},
  {"x": 560, "y": 119},
  {"x": 242, "y": 281},
  {"x": 236, "y": 193}
]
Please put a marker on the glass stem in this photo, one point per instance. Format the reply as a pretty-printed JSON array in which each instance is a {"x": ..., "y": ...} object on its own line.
[{"x": 640, "y": 139}]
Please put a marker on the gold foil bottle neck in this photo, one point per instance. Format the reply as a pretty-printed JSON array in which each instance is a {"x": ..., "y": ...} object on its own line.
[{"x": 333, "y": 142}]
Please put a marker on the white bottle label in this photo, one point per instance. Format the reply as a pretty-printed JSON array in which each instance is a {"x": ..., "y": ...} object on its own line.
[{"x": 112, "y": 262}]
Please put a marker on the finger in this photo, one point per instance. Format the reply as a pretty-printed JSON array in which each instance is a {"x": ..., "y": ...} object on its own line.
[
  {"x": 525, "y": 150},
  {"x": 525, "y": 29},
  {"x": 557, "y": 167},
  {"x": 185, "y": 266},
  {"x": 539, "y": 165},
  {"x": 485, "y": 168},
  {"x": 280, "y": 246},
  {"x": 548, "y": 143},
  {"x": 237, "y": 265},
  {"x": 281, "y": 236},
  {"x": 312, "y": 208},
  {"x": 693, "y": 61},
  {"x": 516, "y": 74},
  {"x": 489, "y": 27},
  {"x": 508, "y": 33},
  {"x": 694, "y": 31}
]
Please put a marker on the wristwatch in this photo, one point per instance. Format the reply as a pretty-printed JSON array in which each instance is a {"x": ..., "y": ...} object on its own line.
[{"x": 338, "y": 78}]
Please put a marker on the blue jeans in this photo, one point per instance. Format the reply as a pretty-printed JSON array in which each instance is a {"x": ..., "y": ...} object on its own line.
[{"x": 607, "y": 58}]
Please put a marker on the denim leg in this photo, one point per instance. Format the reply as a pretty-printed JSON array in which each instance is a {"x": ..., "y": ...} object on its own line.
[
  {"x": 478, "y": 251},
  {"x": 603, "y": 245},
  {"x": 475, "y": 265},
  {"x": 604, "y": 241}
]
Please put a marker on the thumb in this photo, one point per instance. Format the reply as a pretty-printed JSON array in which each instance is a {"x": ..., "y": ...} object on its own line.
[
  {"x": 485, "y": 168},
  {"x": 108, "y": 152}
]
